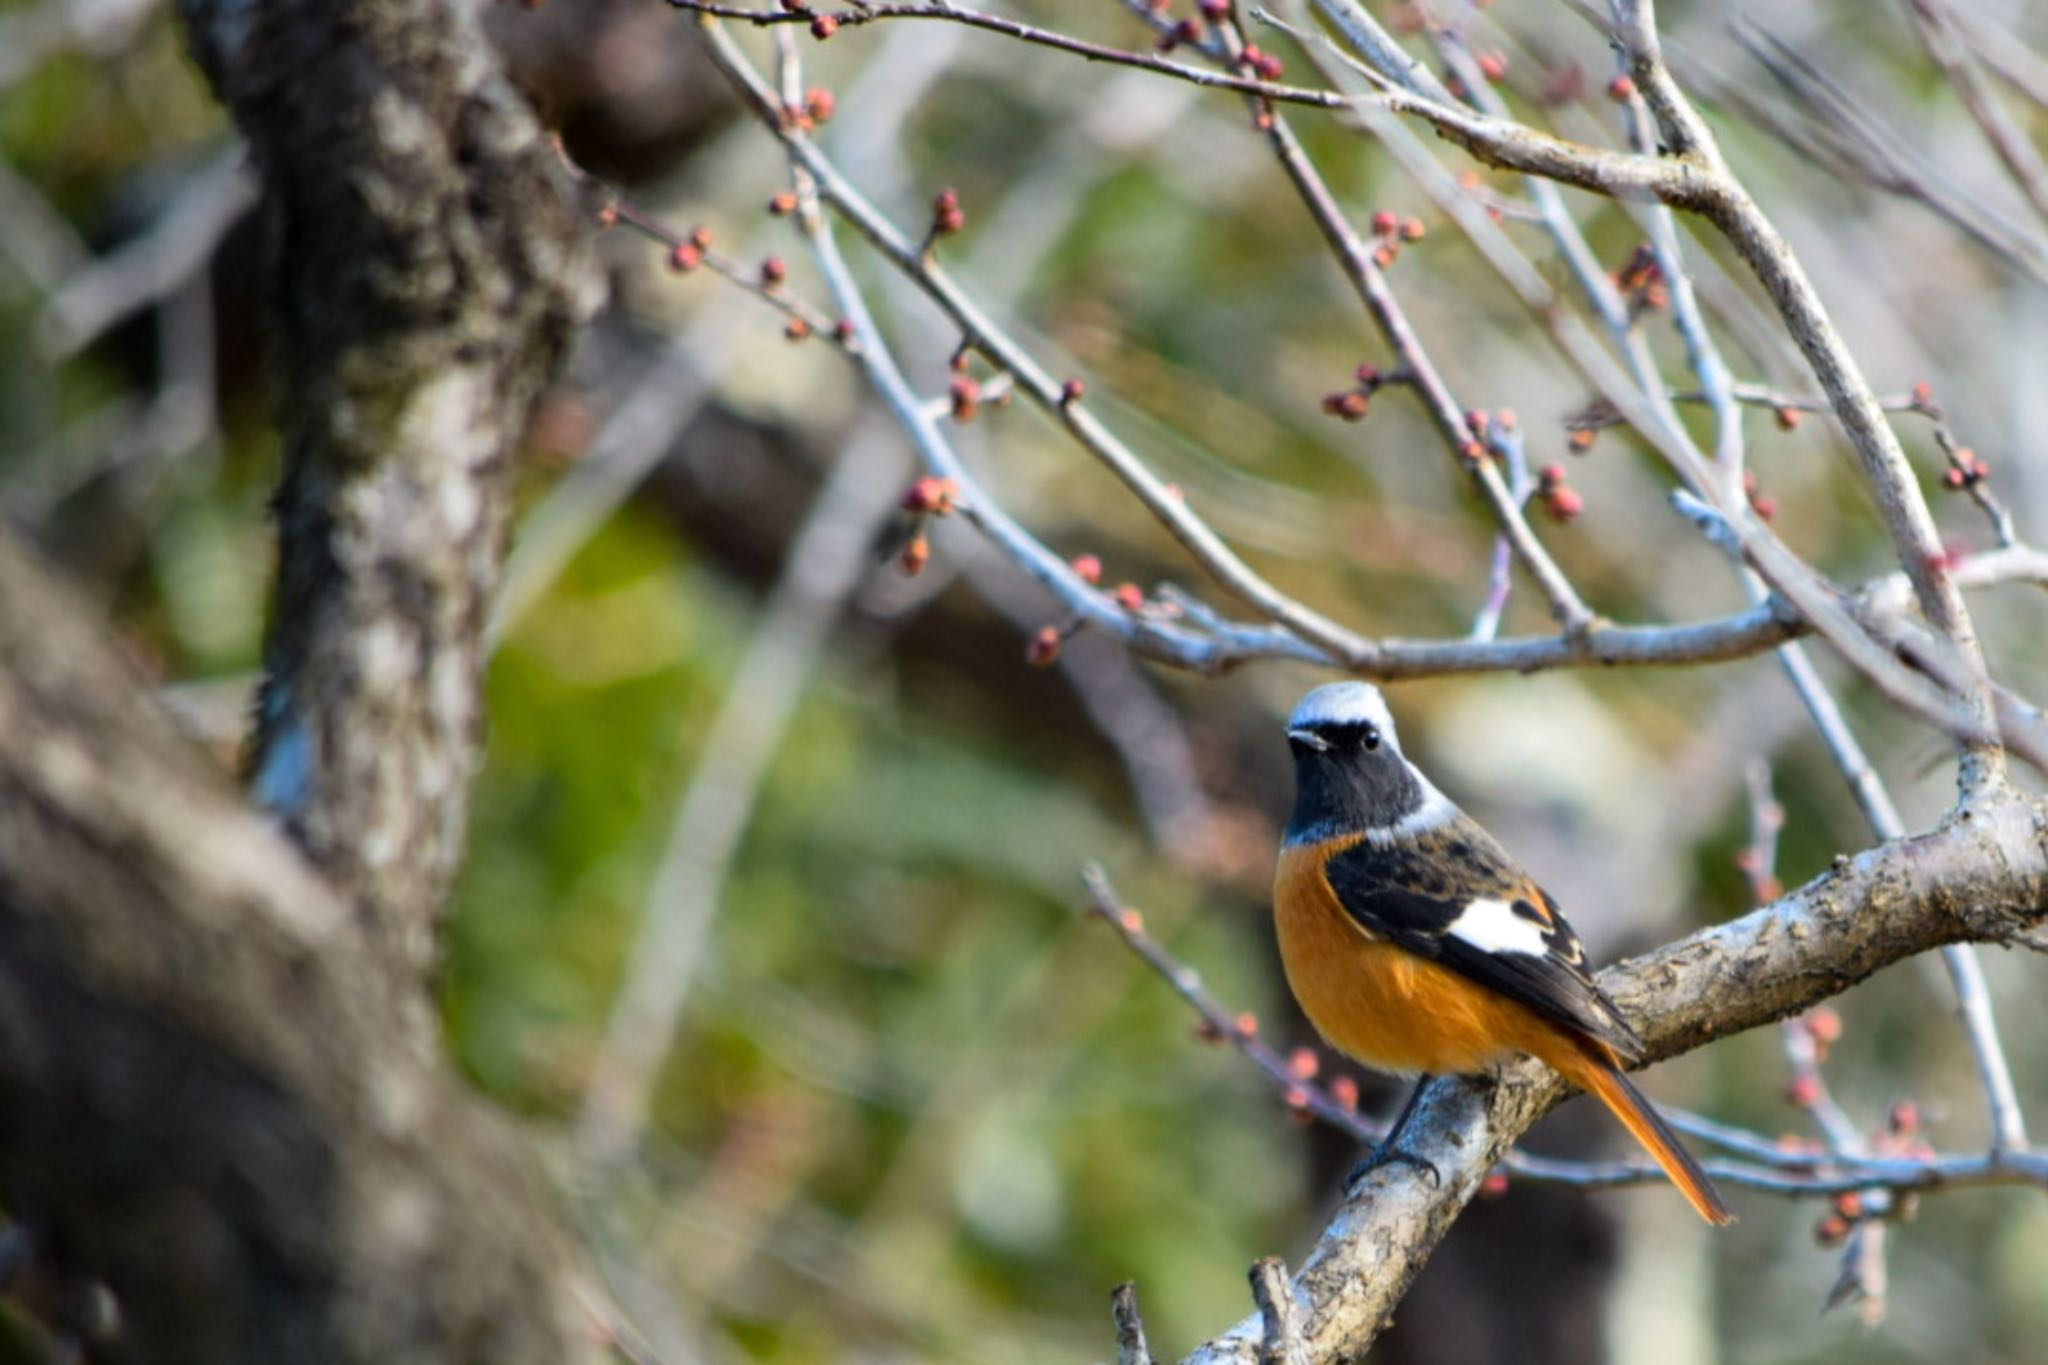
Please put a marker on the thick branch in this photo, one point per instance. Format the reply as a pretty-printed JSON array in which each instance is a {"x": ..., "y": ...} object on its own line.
[
  {"x": 430, "y": 267},
  {"x": 1983, "y": 877},
  {"x": 212, "y": 1096}
]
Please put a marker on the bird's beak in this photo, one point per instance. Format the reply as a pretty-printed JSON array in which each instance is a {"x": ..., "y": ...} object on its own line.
[{"x": 1309, "y": 738}]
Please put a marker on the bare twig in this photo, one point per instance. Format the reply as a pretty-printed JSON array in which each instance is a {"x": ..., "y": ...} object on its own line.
[
  {"x": 2002, "y": 50},
  {"x": 1936, "y": 23},
  {"x": 1498, "y": 142},
  {"x": 1445, "y": 414},
  {"x": 1131, "y": 1348},
  {"x": 692, "y": 251},
  {"x": 1862, "y": 1274},
  {"x": 1369, "y": 281},
  {"x": 147, "y": 268},
  {"x": 1521, "y": 486},
  {"x": 981, "y": 334},
  {"x": 1600, "y": 416},
  {"x": 1864, "y": 1279},
  {"x": 1281, "y": 1342},
  {"x": 1853, "y": 140},
  {"x": 637, "y": 433},
  {"x": 824, "y": 565},
  {"x": 44, "y": 246}
]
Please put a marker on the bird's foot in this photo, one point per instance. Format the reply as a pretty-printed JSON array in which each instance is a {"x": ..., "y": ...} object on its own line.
[{"x": 1388, "y": 1154}]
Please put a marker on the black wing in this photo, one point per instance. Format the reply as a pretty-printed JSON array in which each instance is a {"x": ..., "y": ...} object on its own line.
[{"x": 1414, "y": 891}]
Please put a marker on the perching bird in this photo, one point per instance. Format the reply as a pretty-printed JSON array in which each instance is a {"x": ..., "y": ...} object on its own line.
[{"x": 1416, "y": 944}]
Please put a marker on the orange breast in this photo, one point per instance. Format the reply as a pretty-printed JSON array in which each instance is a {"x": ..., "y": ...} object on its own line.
[{"x": 1378, "y": 1003}]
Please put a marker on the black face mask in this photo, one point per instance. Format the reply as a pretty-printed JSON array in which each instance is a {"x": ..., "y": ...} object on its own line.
[{"x": 1356, "y": 783}]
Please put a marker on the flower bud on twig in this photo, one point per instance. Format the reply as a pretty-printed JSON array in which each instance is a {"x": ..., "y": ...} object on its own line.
[
  {"x": 947, "y": 215},
  {"x": 1044, "y": 649},
  {"x": 917, "y": 553},
  {"x": 965, "y": 393}
]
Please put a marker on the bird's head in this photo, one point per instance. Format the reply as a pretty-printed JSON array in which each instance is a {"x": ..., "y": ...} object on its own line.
[
  {"x": 1350, "y": 775},
  {"x": 1342, "y": 720}
]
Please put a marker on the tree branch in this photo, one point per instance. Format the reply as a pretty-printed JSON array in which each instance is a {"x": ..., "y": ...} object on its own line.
[
  {"x": 1981, "y": 877},
  {"x": 213, "y": 1095},
  {"x": 430, "y": 268}
]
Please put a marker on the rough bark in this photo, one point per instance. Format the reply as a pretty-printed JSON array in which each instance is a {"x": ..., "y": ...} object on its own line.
[
  {"x": 221, "y": 1089},
  {"x": 1981, "y": 877},
  {"x": 429, "y": 271},
  {"x": 212, "y": 1095}
]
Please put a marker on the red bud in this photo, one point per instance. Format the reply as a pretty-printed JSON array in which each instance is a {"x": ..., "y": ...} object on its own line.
[
  {"x": 917, "y": 554},
  {"x": 1824, "y": 1024},
  {"x": 966, "y": 397},
  {"x": 1349, "y": 405}
]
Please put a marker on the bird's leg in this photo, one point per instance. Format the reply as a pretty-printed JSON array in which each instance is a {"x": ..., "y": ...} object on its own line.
[{"x": 1390, "y": 1149}]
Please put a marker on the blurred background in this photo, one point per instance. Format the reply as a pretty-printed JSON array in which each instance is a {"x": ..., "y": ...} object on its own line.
[{"x": 771, "y": 918}]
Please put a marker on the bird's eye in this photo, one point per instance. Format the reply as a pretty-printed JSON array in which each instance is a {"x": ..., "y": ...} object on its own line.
[{"x": 1370, "y": 737}]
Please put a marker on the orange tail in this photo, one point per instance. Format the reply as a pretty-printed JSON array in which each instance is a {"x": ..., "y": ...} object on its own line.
[{"x": 1602, "y": 1078}]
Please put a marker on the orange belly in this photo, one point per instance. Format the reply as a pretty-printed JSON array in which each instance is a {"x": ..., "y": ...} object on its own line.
[{"x": 1378, "y": 1003}]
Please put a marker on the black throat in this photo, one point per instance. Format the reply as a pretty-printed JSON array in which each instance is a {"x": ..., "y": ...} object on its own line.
[{"x": 1350, "y": 793}]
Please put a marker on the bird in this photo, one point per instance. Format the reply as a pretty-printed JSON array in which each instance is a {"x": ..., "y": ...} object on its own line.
[{"x": 1417, "y": 945}]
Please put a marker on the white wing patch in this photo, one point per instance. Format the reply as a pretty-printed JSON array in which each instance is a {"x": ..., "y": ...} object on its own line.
[{"x": 1493, "y": 927}]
